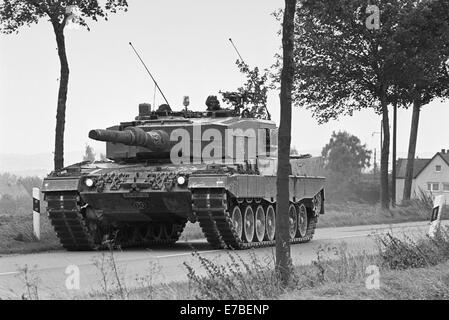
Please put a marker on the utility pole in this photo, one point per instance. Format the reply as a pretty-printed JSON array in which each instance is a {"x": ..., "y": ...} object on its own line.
[
  {"x": 375, "y": 153},
  {"x": 393, "y": 172}
]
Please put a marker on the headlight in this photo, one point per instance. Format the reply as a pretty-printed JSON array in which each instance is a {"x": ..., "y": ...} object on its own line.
[
  {"x": 89, "y": 182},
  {"x": 181, "y": 180}
]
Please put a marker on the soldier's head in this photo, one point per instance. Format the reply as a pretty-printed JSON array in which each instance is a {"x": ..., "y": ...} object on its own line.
[
  {"x": 164, "y": 108},
  {"x": 212, "y": 103}
]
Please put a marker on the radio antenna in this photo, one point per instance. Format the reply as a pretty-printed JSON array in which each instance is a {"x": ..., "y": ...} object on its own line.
[
  {"x": 236, "y": 50},
  {"x": 155, "y": 83}
]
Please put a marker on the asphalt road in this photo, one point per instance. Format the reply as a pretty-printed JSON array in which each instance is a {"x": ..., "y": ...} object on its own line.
[{"x": 166, "y": 264}]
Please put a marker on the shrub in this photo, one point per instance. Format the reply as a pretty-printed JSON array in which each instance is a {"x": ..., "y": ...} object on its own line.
[
  {"x": 237, "y": 279},
  {"x": 335, "y": 265},
  {"x": 401, "y": 254}
]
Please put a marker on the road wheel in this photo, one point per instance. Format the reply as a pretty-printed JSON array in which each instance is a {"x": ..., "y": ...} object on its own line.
[
  {"x": 248, "y": 228},
  {"x": 237, "y": 221},
  {"x": 293, "y": 217},
  {"x": 270, "y": 224},
  {"x": 302, "y": 220},
  {"x": 260, "y": 224}
]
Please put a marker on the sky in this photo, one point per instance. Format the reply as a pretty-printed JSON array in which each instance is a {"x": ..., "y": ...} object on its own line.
[{"x": 185, "y": 45}]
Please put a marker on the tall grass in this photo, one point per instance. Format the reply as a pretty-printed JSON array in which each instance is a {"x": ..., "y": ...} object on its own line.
[
  {"x": 335, "y": 265},
  {"x": 400, "y": 254},
  {"x": 237, "y": 279}
]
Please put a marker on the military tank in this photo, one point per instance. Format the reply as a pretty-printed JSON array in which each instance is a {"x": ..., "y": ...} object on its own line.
[{"x": 165, "y": 168}]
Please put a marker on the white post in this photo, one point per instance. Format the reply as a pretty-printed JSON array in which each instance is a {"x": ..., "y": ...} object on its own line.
[
  {"x": 435, "y": 219},
  {"x": 37, "y": 212}
]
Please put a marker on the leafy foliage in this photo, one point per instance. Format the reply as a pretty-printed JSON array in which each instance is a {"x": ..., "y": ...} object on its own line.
[
  {"x": 253, "y": 92},
  {"x": 237, "y": 279},
  {"x": 422, "y": 61},
  {"x": 345, "y": 157},
  {"x": 89, "y": 154},
  {"x": 396, "y": 253},
  {"x": 17, "y": 13},
  {"x": 345, "y": 154},
  {"x": 30, "y": 182}
]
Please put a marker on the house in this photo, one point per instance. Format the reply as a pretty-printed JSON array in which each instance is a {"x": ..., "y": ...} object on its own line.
[{"x": 430, "y": 176}]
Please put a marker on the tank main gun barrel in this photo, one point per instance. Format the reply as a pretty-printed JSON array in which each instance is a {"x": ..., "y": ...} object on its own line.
[{"x": 155, "y": 140}]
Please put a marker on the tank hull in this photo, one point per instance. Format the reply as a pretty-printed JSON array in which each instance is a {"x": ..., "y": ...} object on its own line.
[{"x": 135, "y": 200}]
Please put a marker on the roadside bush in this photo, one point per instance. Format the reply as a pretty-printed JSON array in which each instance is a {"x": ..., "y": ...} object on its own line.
[
  {"x": 335, "y": 265},
  {"x": 401, "y": 254},
  {"x": 237, "y": 279}
]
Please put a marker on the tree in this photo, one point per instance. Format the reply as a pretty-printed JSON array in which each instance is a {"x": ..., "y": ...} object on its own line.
[
  {"x": 283, "y": 258},
  {"x": 253, "y": 92},
  {"x": 17, "y": 13},
  {"x": 423, "y": 38},
  {"x": 345, "y": 62},
  {"x": 30, "y": 182},
  {"x": 89, "y": 154},
  {"x": 344, "y": 159},
  {"x": 345, "y": 154}
]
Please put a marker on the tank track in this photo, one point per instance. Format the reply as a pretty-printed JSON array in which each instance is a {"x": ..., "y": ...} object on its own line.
[
  {"x": 65, "y": 213},
  {"x": 211, "y": 209},
  {"x": 68, "y": 223}
]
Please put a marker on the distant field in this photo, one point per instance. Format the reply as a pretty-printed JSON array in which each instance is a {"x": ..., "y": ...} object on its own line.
[{"x": 354, "y": 213}]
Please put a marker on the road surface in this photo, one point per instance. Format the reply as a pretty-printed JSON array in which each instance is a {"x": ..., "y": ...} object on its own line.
[{"x": 166, "y": 264}]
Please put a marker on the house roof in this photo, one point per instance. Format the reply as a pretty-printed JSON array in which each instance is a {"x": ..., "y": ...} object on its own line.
[
  {"x": 445, "y": 157},
  {"x": 419, "y": 165}
]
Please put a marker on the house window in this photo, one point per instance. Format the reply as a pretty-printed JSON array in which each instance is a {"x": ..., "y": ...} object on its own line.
[
  {"x": 433, "y": 186},
  {"x": 438, "y": 168},
  {"x": 446, "y": 186}
]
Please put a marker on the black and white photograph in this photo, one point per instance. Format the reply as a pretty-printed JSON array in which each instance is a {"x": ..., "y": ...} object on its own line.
[{"x": 223, "y": 157}]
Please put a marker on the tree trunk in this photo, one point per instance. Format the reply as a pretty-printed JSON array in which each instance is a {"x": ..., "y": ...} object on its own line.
[
  {"x": 411, "y": 149},
  {"x": 393, "y": 168},
  {"x": 384, "y": 190},
  {"x": 62, "y": 97},
  {"x": 283, "y": 258}
]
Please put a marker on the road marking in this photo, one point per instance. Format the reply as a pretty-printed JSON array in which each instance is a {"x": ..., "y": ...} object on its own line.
[{"x": 9, "y": 273}]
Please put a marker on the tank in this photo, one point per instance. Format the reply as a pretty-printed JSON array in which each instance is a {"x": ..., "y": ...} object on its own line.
[{"x": 165, "y": 168}]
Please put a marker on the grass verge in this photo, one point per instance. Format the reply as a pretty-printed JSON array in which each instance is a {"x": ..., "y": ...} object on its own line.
[
  {"x": 16, "y": 235},
  {"x": 406, "y": 269}
]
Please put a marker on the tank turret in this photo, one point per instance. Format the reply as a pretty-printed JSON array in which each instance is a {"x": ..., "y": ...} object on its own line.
[{"x": 155, "y": 140}]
